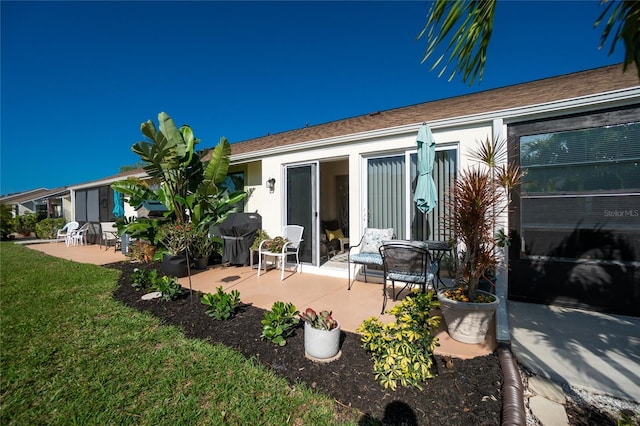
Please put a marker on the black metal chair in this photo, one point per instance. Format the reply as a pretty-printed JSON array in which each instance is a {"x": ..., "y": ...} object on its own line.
[{"x": 408, "y": 262}]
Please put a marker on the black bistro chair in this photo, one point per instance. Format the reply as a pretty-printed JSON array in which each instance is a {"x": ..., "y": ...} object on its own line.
[{"x": 408, "y": 262}]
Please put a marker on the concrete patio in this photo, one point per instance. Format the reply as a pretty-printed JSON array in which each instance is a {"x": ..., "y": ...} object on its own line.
[{"x": 350, "y": 307}]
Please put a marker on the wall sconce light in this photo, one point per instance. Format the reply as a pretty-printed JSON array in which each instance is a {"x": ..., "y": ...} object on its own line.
[{"x": 271, "y": 184}]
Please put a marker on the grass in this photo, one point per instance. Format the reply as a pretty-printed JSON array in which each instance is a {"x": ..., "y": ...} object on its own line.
[{"x": 70, "y": 354}]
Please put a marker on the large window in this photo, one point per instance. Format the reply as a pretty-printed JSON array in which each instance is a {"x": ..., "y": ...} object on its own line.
[
  {"x": 581, "y": 193},
  {"x": 391, "y": 183}
]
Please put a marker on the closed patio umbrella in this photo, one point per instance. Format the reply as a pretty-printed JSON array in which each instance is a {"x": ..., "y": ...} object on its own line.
[
  {"x": 118, "y": 204},
  {"x": 426, "y": 196}
]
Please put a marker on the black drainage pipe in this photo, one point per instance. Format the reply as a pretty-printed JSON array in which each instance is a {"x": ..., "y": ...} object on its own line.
[{"x": 512, "y": 390}]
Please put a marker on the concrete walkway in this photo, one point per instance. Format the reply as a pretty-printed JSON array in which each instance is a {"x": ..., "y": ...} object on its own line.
[{"x": 594, "y": 351}]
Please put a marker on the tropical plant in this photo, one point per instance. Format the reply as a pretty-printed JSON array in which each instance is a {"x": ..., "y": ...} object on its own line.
[
  {"x": 320, "y": 321},
  {"x": 279, "y": 323},
  {"x": 477, "y": 199},
  {"x": 187, "y": 187},
  {"x": 221, "y": 305},
  {"x": 466, "y": 26},
  {"x": 402, "y": 351}
]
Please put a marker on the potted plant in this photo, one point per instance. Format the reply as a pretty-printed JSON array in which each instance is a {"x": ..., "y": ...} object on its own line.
[
  {"x": 176, "y": 238},
  {"x": 275, "y": 245},
  {"x": 201, "y": 247},
  {"x": 321, "y": 336},
  {"x": 477, "y": 200}
]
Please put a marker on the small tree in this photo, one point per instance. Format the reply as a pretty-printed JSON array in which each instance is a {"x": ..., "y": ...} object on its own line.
[{"x": 478, "y": 198}]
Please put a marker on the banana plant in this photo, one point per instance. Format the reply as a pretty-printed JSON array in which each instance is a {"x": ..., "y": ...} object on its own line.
[{"x": 187, "y": 187}]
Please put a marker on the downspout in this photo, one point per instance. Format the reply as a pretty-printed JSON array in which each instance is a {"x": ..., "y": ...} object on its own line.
[{"x": 513, "y": 412}]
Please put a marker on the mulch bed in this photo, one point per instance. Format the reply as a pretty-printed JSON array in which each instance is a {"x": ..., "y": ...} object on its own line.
[{"x": 466, "y": 394}]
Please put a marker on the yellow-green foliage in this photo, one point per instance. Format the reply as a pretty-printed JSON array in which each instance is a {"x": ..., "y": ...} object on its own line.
[{"x": 402, "y": 351}]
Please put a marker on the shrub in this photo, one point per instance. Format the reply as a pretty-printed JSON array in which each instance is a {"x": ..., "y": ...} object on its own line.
[
  {"x": 402, "y": 351},
  {"x": 26, "y": 224},
  {"x": 142, "y": 251},
  {"x": 142, "y": 279},
  {"x": 6, "y": 220},
  {"x": 48, "y": 228},
  {"x": 221, "y": 305},
  {"x": 279, "y": 323},
  {"x": 169, "y": 287}
]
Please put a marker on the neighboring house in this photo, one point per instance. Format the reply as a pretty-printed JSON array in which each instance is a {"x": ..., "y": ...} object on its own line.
[
  {"x": 575, "y": 221},
  {"x": 46, "y": 203},
  {"x": 93, "y": 201}
]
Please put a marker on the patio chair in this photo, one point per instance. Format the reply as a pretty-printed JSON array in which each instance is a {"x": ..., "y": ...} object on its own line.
[
  {"x": 293, "y": 235},
  {"x": 61, "y": 234},
  {"x": 368, "y": 251},
  {"x": 78, "y": 236},
  {"x": 408, "y": 262},
  {"x": 109, "y": 235}
]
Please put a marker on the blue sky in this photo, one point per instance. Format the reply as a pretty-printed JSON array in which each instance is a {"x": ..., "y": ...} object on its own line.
[{"x": 78, "y": 78}]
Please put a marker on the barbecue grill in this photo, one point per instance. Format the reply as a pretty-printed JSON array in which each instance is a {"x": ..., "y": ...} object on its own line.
[{"x": 238, "y": 231}]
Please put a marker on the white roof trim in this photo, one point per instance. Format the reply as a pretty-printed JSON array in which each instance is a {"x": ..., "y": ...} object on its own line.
[
  {"x": 579, "y": 104},
  {"x": 102, "y": 182}
]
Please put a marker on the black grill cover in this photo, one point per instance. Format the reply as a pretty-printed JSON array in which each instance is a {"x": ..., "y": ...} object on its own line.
[{"x": 238, "y": 231}]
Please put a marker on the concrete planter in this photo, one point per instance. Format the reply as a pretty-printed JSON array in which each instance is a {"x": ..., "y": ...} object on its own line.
[
  {"x": 467, "y": 322},
  {"x": 321, "y": 345}
]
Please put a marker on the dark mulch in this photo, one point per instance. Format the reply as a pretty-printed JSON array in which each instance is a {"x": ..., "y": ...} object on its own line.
[{"x": 467, "y": 394}]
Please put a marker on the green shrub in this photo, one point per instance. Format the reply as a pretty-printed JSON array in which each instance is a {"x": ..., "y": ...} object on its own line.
[
  {"x": 168, "y": 286},
  {"x": 221, "y": 305},
  {"x": 26, "y": 224},
  {"x": 279, "y": 323},
  {"x": 142, "y": 279},
  {"x": 47, "y": 229},
  {"x": 6, "y": 220},
  {"x": 402, "y": 351}
]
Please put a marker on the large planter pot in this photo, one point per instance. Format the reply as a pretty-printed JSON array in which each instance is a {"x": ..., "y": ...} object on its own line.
[
  {"x": 321, "y": 345},
  {"x": 174, "y": 265},
  {"x": 467, "y": 322},
  {"x": 202, "y": 263}
]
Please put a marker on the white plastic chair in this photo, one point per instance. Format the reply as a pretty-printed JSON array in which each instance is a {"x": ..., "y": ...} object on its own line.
[
  {"x": 79, "y": 236},
  {"x": 293, "y": 235},
  {"x": 61, "y": 234}
]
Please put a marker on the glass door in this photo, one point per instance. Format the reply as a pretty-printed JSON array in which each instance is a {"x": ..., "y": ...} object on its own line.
[{"x": 301, "y": 207}]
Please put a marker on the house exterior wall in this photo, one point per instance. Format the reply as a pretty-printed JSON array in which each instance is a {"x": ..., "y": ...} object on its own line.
[{"x": 271, "y": 206}]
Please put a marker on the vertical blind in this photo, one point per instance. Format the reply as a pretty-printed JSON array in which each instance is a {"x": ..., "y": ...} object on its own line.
[{"x": 388, "y": 205}]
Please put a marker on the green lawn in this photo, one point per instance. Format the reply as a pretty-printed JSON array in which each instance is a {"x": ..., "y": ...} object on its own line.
[{"x": 70, "y": 354}]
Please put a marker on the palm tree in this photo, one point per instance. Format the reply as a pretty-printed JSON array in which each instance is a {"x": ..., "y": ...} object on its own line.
[{"x": 465, "y": 26}]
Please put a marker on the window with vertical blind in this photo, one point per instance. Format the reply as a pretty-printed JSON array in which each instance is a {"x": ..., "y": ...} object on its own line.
[
  {"x": 581, "y": 192},
  {"x": 391, "y": 182}
]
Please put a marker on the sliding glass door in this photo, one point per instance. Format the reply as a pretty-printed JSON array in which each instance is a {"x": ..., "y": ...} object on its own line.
[{"x": 391, "y": 182}]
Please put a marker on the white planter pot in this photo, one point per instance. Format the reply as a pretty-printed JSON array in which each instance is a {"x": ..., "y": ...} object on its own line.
[
  {"x": 321, "y": 345},
  {"x": 467, "y": 322}
]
